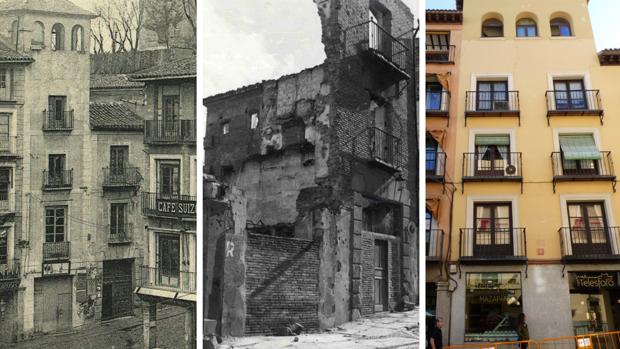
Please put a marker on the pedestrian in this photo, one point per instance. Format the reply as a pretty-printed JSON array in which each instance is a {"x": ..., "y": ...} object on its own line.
[
  {"x": 523, "y": 332},
  {"x": 436, "y": 340}
]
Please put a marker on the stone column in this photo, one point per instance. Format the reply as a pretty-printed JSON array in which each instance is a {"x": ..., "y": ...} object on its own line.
[
  {"x": 190, "y": 328},
  {"x": 443, "y": 308},
  {"x": 149, "y": 324}
]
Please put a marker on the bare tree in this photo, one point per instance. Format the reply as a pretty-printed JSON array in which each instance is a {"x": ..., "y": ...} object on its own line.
[
  {"x": 118, "y": 27},
  {"x": 163, "y": 16},
  {"x": 189, "y": 8}
]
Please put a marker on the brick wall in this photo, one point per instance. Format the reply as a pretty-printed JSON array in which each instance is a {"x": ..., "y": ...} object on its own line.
[
  {"x": 281, "y": 283},
  {"x": 368, "y": 274}
]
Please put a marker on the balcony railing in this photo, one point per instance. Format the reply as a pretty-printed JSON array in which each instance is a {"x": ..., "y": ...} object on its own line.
[
  {"x": 169, "y": 132},
  {"x": 576, "y": 102},
  {"x": 384, "y": 147},
  {"x": 9, "y": 270},
  {"x": 58, "y": 120},
  {"x": 435, "y": 165},
  {"x": 601, "y": 169},
  {"x": 168, "y": 278},
  {"x": 56, "y": 250},
  {"x": 120, "y": 234},
  {"x": 440, "y": 53},
  {"x": 369, "y": 37},
  {"x": 57, "y": 180},
  {"x": 492, "y": 166},
  {"x": 498, "y": 103},
  {"x": 169, "y": 205},
  {"x": 437, "y": 103},
  {"x": 434, "y": 244},
  {"x": 121, "y": 177},
  {"x": 594, "y": 243},
  {"x": 493, "y": 244}
]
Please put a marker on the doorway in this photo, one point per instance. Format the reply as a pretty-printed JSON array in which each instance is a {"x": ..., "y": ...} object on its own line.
[
  {"x": 381, "y": 275},
  {"x": 53, "y": 304}
]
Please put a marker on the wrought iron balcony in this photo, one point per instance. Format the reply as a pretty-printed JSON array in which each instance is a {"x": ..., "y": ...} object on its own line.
[
  {"x": 56, "y": 250},
  {"x": 440, "y": 53},
  {"x": 506, "y": 245},
  {"x": 434, "y": 244},
  {"x": 120, "y": 234},
  {"x": 583, "y": 170},
  {"x": 169, "y": 205},
  {"x": 9, "y": 270},
  {"x": 167, "y": 278},
  {"x": 58, "y": 180},
  {"x": 380, "y": 46},
  {"x": 435, "y": 165},
  {"x": 438, "y": 103},
  {"x": 492, "y": 104},
  {"x": 590, "y": 244},
  {"x": 492, "y": 166},
  {"x": 575, "y": 103},
  {"x": 385, "y": 147},
  {"x": 61, "y": 120},
  {"x": 170, "y": 132},
  {"x": 121, "y": 177}
]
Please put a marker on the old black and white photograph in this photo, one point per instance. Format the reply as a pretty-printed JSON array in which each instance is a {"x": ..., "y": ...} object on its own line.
[
  {"x": 310, "y": 181},
  {"x": 98, "y": 174}
]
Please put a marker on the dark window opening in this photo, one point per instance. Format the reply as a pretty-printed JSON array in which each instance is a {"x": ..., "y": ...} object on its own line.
[{"x": 492, "y": 28}]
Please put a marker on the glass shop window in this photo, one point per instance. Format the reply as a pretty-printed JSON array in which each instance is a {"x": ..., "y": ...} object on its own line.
[{"x": 492, "y": 306}]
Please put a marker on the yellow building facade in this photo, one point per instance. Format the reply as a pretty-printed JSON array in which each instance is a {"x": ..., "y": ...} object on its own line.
[{"x": 534, "y": 226}]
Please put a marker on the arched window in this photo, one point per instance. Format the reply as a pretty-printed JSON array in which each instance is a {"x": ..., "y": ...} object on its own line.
[
  {"x": 38, "y": 34},
  {"x": 58, "y": 37},
  {"x": 560, "y": 27},
  {"x": 492, "y": 28},
  {"x": 526, "y": 27},
  {"x": 14, "y": 32},
  {"x": 77, "y": 38}
]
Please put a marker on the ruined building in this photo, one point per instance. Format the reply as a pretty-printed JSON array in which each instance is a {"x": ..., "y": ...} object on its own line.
[
  {"x": 308, "y": 210},
  {"x": 82, "y": 235}
]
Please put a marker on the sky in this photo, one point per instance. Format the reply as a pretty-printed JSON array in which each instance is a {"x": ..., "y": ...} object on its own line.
[
  {"x": 249, "y": 41},
  {"x": 602, "y": 14}
]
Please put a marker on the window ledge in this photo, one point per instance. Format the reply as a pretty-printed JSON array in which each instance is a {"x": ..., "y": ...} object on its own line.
[
  {"x": 563, "y": 37},
  {"x": 493, "y": 38},
  {"x": 528, "y": 38}
]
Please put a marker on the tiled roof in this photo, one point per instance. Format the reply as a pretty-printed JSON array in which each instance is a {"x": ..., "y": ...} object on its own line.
[
  {"x": 105, "y": 81},
  {"x": 114, "y": 116},
  {"x": 179, "y": 68},
  {"x": 7, "y": 54},
  {"x": 610, "y": 56},
  {"x": 52, "y": 6}
]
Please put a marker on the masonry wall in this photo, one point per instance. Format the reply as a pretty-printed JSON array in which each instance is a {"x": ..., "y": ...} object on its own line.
[{"x": 282, "y": 284}]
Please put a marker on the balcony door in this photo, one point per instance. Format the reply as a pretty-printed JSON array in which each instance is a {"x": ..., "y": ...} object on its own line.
[
  {"x": 492, "y": 96},
  {"x": 168, "y": 257},
  {"x": 168, "y": 179},
  {"x": 119, "y": 156},
  {"x": 493, "y": 233},
  {"x": 5, "y": 135},
  {"x": 492, "y": 155},
  {"x": 588, "y": 228},
  {"x": 434, "y": 96},
  {"x": 580, "y": 155},
  {"x": 569, "y": 95},
  {"x": 5, "y": 187},
  {"x": 56, "y": 163},
  {"x": 57, "y": 106}
]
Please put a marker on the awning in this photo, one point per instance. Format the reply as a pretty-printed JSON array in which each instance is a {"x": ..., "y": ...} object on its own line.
[
  {"x": 492, "y": 140},
  {"x": 432, "y": 205},
  {"x": 438, "y": 135},
  {"x": 579, "y": 147}
]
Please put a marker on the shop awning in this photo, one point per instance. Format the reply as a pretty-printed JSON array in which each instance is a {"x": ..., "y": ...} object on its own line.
[
  {"x": 492, "y": 140},
  {"x": 579, "y": 147}
]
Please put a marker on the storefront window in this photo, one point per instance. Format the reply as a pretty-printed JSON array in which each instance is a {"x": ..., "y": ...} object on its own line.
[
  {"x": 493, "y": 304},
  {"x": 595, "y": 301}
]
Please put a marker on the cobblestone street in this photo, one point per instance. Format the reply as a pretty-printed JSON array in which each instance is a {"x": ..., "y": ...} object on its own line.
[
  {"x": 384, "y": 330},
  {"x": 123, "y": 333}
]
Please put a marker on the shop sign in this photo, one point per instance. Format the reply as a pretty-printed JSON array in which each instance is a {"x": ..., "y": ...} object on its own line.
[
  {"x": 595, "y": 280},
  {"x": 56, "y": 268},
  {"x": 176, "y": 207}
]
